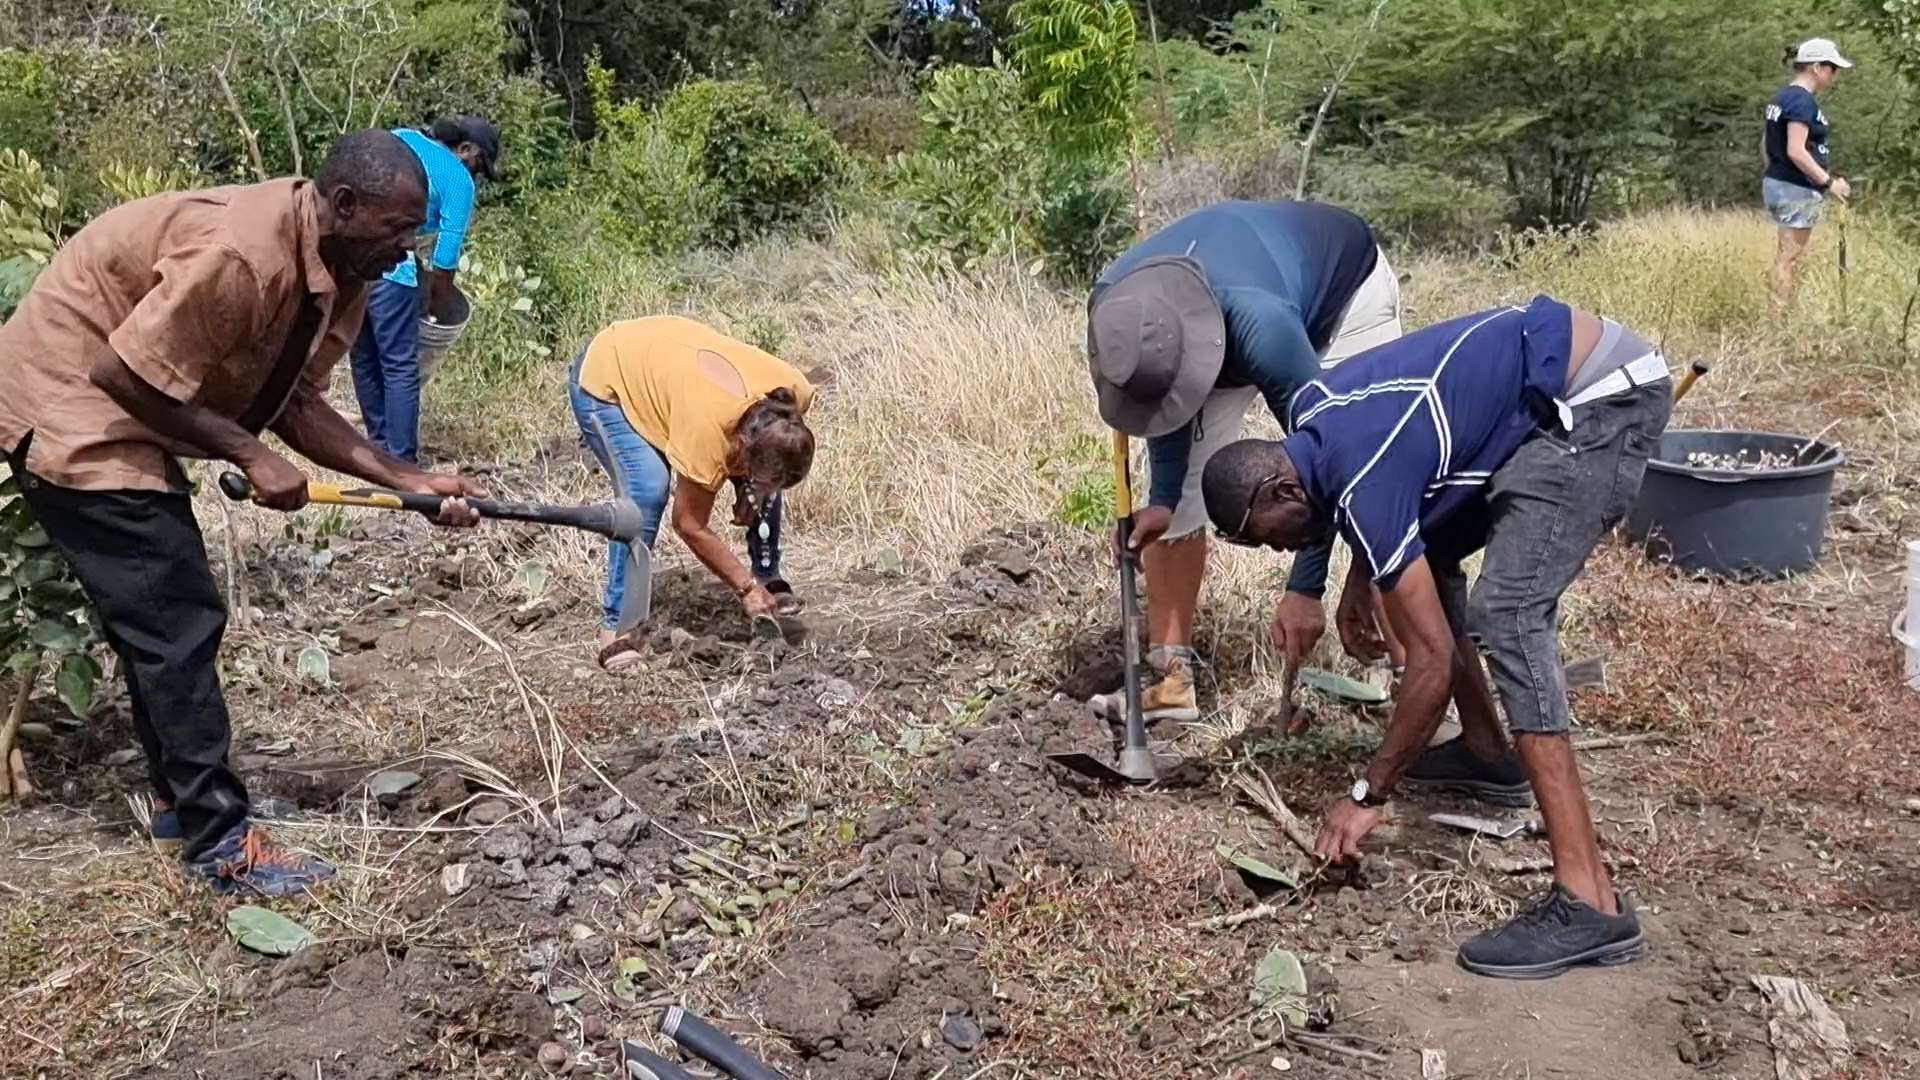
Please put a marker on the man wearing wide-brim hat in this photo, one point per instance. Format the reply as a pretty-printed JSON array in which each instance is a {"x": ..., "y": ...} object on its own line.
[{"x": 1234, "y": 301}]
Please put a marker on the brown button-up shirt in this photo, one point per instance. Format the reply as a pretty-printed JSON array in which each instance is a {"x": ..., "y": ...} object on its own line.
[{"x": 197, "y": 291}]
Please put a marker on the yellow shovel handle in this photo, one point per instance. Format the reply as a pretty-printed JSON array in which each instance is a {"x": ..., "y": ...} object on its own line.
[
  {"x": 1122, "y": 478},
  {"x": 335, "y": 495}
]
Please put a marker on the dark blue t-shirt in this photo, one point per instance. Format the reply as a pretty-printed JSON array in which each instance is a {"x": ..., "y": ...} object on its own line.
[
  {"x": 1398, "y": 443},
  {"x": 1283, "y": 273},
  {"x": 1794, "y": 103}
]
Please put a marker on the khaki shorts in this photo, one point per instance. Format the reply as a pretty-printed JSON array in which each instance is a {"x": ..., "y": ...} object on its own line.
[{"x": 1372, "y": 318}]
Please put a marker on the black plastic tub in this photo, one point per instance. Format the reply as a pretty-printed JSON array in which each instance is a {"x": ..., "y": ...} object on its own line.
[{"x": 1750, "y": 523}]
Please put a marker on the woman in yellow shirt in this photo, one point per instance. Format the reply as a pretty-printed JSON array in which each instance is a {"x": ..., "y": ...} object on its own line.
[{"x": 671, "y": 407}]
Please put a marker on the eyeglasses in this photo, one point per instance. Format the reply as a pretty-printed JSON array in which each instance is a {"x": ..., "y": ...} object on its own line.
[{"x": 1238, "y": 537}]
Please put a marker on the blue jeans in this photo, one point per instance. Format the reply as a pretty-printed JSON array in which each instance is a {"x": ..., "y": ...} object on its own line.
[
  {"x": 386, "y": 369},
  {"x": 640, "y": 470}
]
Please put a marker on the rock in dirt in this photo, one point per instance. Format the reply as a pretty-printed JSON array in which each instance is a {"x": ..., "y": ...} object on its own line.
[
  {"x": 507, "y": 843},
  {"x": 871, "y": 975},
  {"x": 808, "y": 1010},
  {"x": 513, "y": 872},
  {"x": 527, "y": 1019},
  {"x": 585, "y": 834},
  {"x": 623, "y": 830},
  {"x": 488, "y": 812},
  {"x": 961, "y": 1031},
  {"x": 613, "y": 807},
  {"x": 551, "y": 886},
  {"x": 578, "y": 859},
  {"x": 554, "y": 1057},
  {"x": 607, "y": 855}
]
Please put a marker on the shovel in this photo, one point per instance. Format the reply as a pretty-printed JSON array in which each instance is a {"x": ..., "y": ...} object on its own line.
[
  {"x": 1136, "y": 764},
  {"x": 618, "y": 520}
]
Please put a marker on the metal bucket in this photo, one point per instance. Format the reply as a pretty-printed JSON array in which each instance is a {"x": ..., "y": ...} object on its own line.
[
  {"x": 439, "y": 330},
  {"x": 1757, "y": 523}
]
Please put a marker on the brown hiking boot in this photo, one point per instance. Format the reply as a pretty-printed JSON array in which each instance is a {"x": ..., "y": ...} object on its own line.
[{"x": 1171, "y": 698}]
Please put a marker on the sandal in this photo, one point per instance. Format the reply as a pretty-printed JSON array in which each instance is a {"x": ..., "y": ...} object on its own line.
[{"x": 619, "y": 655}]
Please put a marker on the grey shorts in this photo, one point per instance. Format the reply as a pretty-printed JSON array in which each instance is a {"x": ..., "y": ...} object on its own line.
[
  {"x": 1792, "y": 206},
  {"x": 1546, "y": 510}
]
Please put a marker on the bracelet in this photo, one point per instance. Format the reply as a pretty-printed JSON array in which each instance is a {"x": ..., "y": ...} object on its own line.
[{"x": 742, "y": 590}]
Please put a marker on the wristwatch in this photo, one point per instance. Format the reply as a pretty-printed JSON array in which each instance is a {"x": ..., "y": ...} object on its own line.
[{"x": 1363, "y": 793}]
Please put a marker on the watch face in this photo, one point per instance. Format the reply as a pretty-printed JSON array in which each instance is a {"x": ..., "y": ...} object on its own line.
[{"x": 1361, "y": 789}]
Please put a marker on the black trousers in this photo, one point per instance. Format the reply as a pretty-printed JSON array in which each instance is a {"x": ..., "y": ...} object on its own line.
[{"x": 140, "y": 557}]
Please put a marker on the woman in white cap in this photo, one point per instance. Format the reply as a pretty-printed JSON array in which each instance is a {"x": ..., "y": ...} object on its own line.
[{"x": 1797, "y": 178}]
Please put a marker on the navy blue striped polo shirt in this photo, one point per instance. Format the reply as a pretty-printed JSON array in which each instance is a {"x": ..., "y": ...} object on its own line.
[{"x": 1399, "y": 439}]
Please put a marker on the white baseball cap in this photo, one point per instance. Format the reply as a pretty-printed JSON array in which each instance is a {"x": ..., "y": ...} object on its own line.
[{"x": 1820, "y": 51}]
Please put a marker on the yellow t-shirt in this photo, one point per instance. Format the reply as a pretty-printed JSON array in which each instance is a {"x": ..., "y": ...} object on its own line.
[{"x": 651, "y": 368}]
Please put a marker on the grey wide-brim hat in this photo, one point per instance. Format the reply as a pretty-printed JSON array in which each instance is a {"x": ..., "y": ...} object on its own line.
[{"x": 1155, "y": 342}]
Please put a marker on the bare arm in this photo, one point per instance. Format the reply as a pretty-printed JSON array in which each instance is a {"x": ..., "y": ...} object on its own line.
[
  {"x": 438, "y": 291},
  {"x": 1801, "y": 157},
  {"x": 692, "y": 506},
  {"x": 321, "y": 435},
  {"x": 1413, "y": 607}
]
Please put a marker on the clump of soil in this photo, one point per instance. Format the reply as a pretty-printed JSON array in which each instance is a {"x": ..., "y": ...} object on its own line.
[{"x": 889, "y": 985}]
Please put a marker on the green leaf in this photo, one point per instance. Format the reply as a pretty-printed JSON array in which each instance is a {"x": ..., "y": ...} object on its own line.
[
  {"x": 267, "y": 932},
  {"x": 314, "y": 664},
  {"x": 75, "y": 682},
  {"x": 33, "y": 537},
  {"x": 1279, "y": 979},
  {"x": 56, "y": 637},
  {"x": 1340, "y": 686},
  {"x": 633, "y": 965},
  {"x": 1240, "y": 860},
  {"x": 565, "y": 996},
  {"x": 531, "y": 578}
]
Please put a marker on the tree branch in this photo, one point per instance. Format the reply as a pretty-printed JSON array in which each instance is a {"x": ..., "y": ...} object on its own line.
[{"x": 240, "y": 118}]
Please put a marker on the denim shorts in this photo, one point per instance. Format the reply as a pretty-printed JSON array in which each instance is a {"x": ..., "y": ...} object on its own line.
[
  {"x": 1792, "y": 206},
  {"x": 1546, "y": 510}
]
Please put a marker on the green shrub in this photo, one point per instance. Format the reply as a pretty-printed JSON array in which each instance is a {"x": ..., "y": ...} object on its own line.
[
  {"x": 26, "y": 103},
  {"x": 767, "y": 165},
  {"x": 982, "y": 185},
  {"x": 645, "y": 186}
]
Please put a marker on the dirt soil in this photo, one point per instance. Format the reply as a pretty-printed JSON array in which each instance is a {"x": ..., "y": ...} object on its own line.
[{"x": 847, "y": 848}]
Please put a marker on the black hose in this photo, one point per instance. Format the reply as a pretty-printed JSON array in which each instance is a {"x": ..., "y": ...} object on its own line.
[{"x": 714, "y": 1046}]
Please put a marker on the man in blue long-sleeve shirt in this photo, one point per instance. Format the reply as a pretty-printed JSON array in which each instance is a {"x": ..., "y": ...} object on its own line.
[
  {"x": 1234, "y": 301},
  {"x": 386, "y": 355}
]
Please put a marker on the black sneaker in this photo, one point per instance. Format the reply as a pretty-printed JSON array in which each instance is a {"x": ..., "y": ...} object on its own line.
[
  {"x": 1452, "y": 767},
  {"x": 1553, "y": 934}
]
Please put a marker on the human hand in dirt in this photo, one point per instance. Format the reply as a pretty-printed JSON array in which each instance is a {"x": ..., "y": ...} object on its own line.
[
  {"x": 1149, "y": 524},
  {"x": 1359, "y": 631},
  {"x": 454, "y": 510},
  {"x": 276, "y": 482},
  {"x": 1347, "y": 824},
  {"x": 1298, "y": 623},
  {"x": 758, "y": 601}
]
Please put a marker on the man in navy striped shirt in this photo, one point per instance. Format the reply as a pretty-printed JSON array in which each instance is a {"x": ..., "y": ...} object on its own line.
[
  {"x": 386, "y": 355},
  {"x": 1522, "y": 432}
]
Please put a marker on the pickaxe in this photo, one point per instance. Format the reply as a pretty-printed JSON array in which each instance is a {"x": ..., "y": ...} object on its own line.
[{"x": 618, "y": 520}]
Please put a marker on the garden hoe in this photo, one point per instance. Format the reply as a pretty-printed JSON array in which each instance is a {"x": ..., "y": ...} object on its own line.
[
  {"x": 1136, "y": 765},
  {"x": 617, "y": 520}
]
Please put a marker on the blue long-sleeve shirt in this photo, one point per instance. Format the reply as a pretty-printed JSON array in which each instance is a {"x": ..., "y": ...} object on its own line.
[
  {"x": 450, "y": 192},
  {"x": 1283, "y": 273}
]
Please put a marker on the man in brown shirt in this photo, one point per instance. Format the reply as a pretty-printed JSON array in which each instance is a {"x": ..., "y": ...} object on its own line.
[{"x": 185, "y": 325}]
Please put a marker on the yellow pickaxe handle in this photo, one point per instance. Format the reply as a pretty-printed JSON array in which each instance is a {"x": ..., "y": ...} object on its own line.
[
  {"x": 1122, "y": 477},
  {"x": 1692, "y": 376}
]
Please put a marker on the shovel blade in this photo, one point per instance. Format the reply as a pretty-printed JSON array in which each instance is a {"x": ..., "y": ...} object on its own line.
[
  {"x": 1095, "y": 769},
  {"x": 637, "y": 603}
]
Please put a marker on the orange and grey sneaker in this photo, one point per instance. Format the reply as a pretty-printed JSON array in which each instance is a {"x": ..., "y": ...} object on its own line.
[
  {"x": 247, "y": 858},
  {"x": 1172, "y": 698}
]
